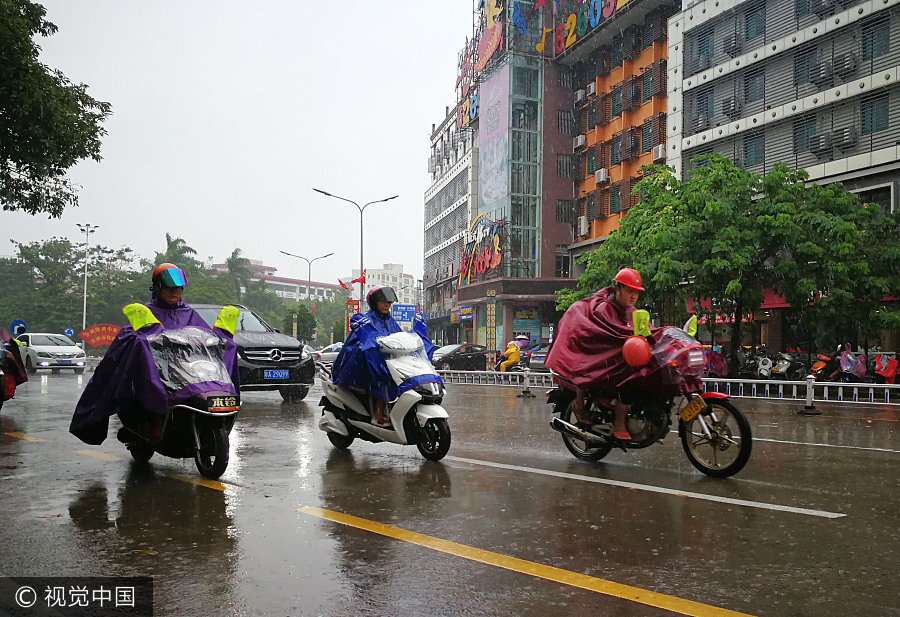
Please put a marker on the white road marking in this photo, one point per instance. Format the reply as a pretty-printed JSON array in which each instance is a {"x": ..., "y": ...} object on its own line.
[
  {"x": 827, "y": 445},
  {"x": 652, "y": 489}
]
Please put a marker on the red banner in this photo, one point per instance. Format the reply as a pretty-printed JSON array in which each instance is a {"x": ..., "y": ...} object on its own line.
[
  {"x": 352, "y": 309},
  {"x": 100, "y": 334}
]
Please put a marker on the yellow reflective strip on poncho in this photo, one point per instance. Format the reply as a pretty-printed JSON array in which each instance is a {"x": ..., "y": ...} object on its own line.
[
  {"x": 139, "y": 316},
  {"x": 641, "y": 322},
  {"x": 691, "y": 326},
  {"x": 227, "y": 319}
]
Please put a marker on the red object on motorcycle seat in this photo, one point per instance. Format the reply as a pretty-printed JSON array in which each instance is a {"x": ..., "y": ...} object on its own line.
[
  {"x": 9, "y": 386},
  {"x": 716, "y": 395},
  {"x": 636, "y": 351}
]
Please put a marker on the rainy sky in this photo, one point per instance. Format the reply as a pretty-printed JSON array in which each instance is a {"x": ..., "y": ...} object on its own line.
[{"x": 226, "y": 114}]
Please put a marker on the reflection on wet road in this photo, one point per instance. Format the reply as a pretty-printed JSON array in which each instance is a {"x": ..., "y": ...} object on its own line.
[{"x": 509, "y": 523}]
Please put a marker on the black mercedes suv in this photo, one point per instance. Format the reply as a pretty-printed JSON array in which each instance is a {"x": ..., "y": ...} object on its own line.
[{"x": 268, "y": 360}]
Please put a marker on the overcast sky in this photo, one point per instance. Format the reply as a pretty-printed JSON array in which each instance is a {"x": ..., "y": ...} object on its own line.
[{"x": 226, "y": 114}]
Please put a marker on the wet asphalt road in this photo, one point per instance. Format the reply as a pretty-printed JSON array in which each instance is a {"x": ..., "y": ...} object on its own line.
[{"x": 809, "y": 527}]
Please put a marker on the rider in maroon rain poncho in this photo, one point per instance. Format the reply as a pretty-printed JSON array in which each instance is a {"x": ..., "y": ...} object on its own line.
[
  {"x": 587, "y": 349},
  {"x": 127, "y": 375}
]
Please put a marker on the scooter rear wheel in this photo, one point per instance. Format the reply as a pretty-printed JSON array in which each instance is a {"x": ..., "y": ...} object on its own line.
[
  {"x": 579, "y": 448},
  {"x": 212, "y": 457},
  {"x": 140, "y": 451}
]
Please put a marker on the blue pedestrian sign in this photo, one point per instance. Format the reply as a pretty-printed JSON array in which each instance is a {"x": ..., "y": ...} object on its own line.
[
  {"x": 68, "y": 331},
  {"x": 18, "y": 327},
  {"x": 403, "y": 313}
]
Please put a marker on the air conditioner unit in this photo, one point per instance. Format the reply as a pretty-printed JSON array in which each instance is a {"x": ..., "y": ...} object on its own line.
[
  {"x": 701, "y": 123},
  {"x": 820, "y": 144},
  {"x": 584, "y": 228},
  {"x": 579, "y": 96},
  {"x": 731, "y": 106},
  {"x": 579, "y": 141},
  {"x": 591, "y": 88},
  {"x": 702, "y": 63},
  {"x": 659, "y": 153},
  {"x": 845, "y": 65},
  {"x": 732, "y": 44},
  {"x": 820, "y": 74},
  {"x": 601, "y": 175},
  {"x": 821, "y": 7},
  {"x": 845, "y": 138}
]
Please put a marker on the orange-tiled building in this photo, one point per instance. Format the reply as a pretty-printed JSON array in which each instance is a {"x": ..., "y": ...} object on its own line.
[{"x": 619, "y": 77}]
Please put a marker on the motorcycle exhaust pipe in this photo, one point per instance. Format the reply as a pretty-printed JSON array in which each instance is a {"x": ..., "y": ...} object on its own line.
[{"x": 557, "y": 424}]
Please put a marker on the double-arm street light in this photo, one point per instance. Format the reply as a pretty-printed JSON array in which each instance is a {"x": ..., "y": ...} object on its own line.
[
  {"x": 87, "y": 229},
  {"x": 361, "y": 208},
  {"x": 309, "y": 270}
]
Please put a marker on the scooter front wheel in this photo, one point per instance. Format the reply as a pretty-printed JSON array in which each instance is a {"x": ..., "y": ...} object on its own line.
[
  {"x": 212, "y": 457},
  {"x": 435, "y": 441},
  {"x": 341, "y": 442},
  {"x": 726, "y": 449}
]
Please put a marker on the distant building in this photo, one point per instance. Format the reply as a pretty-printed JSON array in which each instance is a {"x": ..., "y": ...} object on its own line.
[
  {"x": 391, "y": 275},
  {"x": 288, "y": 288}
]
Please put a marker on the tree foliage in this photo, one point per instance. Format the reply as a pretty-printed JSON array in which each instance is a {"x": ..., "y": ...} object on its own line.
[
  {"x": 47, "y": 123},
  {"x": 726, "y": 234}
]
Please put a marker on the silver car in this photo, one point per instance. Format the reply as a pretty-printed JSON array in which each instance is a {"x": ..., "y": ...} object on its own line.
[{"x": 327, "y": 355}]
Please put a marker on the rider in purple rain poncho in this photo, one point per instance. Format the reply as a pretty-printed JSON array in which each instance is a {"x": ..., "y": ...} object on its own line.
[
  {"x": 360, "y": 363},
  {"x": 127, "y": 377}
]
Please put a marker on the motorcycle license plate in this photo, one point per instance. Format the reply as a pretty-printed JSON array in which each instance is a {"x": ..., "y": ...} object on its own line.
[
  {"x": 690, "y": 412},
  {"x": 223, "y": 403},
  {"x": 273, "y": 373}
]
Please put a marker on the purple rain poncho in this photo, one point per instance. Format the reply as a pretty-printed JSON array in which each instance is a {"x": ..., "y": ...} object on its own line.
[{"x": 127, "y": 376}]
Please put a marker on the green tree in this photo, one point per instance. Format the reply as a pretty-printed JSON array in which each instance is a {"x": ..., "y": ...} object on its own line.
[
  {"x": 726, "y": 234},
  {"x": 264, "y": 301},
  {"x": 178, "y": 252},
  {"x": 306, "y": 323},
  {"x": 47, "y": 123},
  {"x": 238, "y": 274}
]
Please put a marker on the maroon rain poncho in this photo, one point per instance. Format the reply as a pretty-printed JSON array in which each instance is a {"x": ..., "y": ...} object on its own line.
[{"x": 587, "y": 345}]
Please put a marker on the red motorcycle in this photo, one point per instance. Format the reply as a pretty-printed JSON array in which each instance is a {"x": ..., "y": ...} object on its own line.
[{"x": 714, "y": 433}]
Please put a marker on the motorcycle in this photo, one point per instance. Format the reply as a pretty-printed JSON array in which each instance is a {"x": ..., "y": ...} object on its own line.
[
  {"x": 198, "y": 428},
  {"x": 714, "y": 433},
  {"x": 716, "y": 364},
  {"x": 416, "y": 415},
  {"x": 827, "y": 366},
  {"x": 789, "y": 367},
  {"x": 12, "y": 373}
]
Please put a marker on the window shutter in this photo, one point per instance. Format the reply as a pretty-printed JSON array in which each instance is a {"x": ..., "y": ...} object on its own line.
[
  {"x": 614, "y": 194},
  {"x": 604, "y": 154},
  {"x": 589, "y": 209},
  {"x": 625, "y": 194},
  {"x": 603, "y": 109},
  {"x": 603, "y": 206},
  {"x": 604, "y": 61},
  {"x": 658, "y": 129}
]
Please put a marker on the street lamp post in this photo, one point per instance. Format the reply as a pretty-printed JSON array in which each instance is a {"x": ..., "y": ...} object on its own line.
[
  {"x": 309, "y": 263},
  {"x": 361, "y": 208},
  {"x": 87, "y": 229}
]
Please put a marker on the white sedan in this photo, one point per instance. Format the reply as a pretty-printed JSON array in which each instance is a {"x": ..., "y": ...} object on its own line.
[{"x": 53, "y": 351}]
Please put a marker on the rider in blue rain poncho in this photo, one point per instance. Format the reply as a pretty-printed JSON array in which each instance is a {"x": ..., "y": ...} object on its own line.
[{"x": 360, "y": 363}]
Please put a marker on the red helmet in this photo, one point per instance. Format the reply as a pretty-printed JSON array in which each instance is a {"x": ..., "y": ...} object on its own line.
[{"x": 630, "y": 278}]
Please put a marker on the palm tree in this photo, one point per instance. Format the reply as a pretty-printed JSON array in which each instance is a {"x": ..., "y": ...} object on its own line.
[
  {"x": 179, "y": 253},
  {"x": 239, "y": 274}
]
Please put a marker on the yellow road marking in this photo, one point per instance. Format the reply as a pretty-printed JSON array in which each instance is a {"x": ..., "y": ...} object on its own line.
[
  {"x": 218, "y": 486},
  {"x": 574, "y": 579},
  {"x": 24, "y": 437},
  {"x": 103, "y": 456}
]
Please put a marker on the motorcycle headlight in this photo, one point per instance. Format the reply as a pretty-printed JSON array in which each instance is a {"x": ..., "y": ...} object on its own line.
[
  {"x": 204, "y": 370},
  {"x": 430, "y": 390}
]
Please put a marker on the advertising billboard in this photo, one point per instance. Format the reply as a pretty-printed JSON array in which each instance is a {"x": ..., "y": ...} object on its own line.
[{"x": 493, "y": 141}]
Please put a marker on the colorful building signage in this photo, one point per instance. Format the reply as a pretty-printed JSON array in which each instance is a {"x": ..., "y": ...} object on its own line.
[
  {"x": 491, "y": 33},
  {"x": 493, "y": 142},
  {"x": 574, "y": 20},
  {"x": 481, "y": 251}
]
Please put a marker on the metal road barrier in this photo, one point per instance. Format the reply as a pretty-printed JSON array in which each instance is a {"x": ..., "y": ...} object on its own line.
[{"x": 810, "y": 391}]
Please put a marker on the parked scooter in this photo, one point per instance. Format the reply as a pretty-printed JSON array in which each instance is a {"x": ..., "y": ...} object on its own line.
[
  {"x": 416, "y": 416},
  {"x": 199, "y": 428},
  {"x": 12, "y": 371},
  {"x": 716, "y": 364},
  {"x": 885, "y": 369},
  {"x": 789, "y": 367}
]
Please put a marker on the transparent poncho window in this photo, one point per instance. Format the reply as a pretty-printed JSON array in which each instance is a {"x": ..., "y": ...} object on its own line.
[
  {"x": 187, "y": 356},
  {"x": 678, "y": 347},
  {"x": 404, "y": 354}
]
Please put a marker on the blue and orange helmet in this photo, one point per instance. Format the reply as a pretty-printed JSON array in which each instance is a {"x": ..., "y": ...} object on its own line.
[{"x": 167, "y": 275}]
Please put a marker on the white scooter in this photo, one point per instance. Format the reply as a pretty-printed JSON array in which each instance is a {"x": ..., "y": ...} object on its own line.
[{"x": 416, "y": 416}]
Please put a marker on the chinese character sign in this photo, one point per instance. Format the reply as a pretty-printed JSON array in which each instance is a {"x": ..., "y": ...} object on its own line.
[{"x": 100, "y": 334}]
